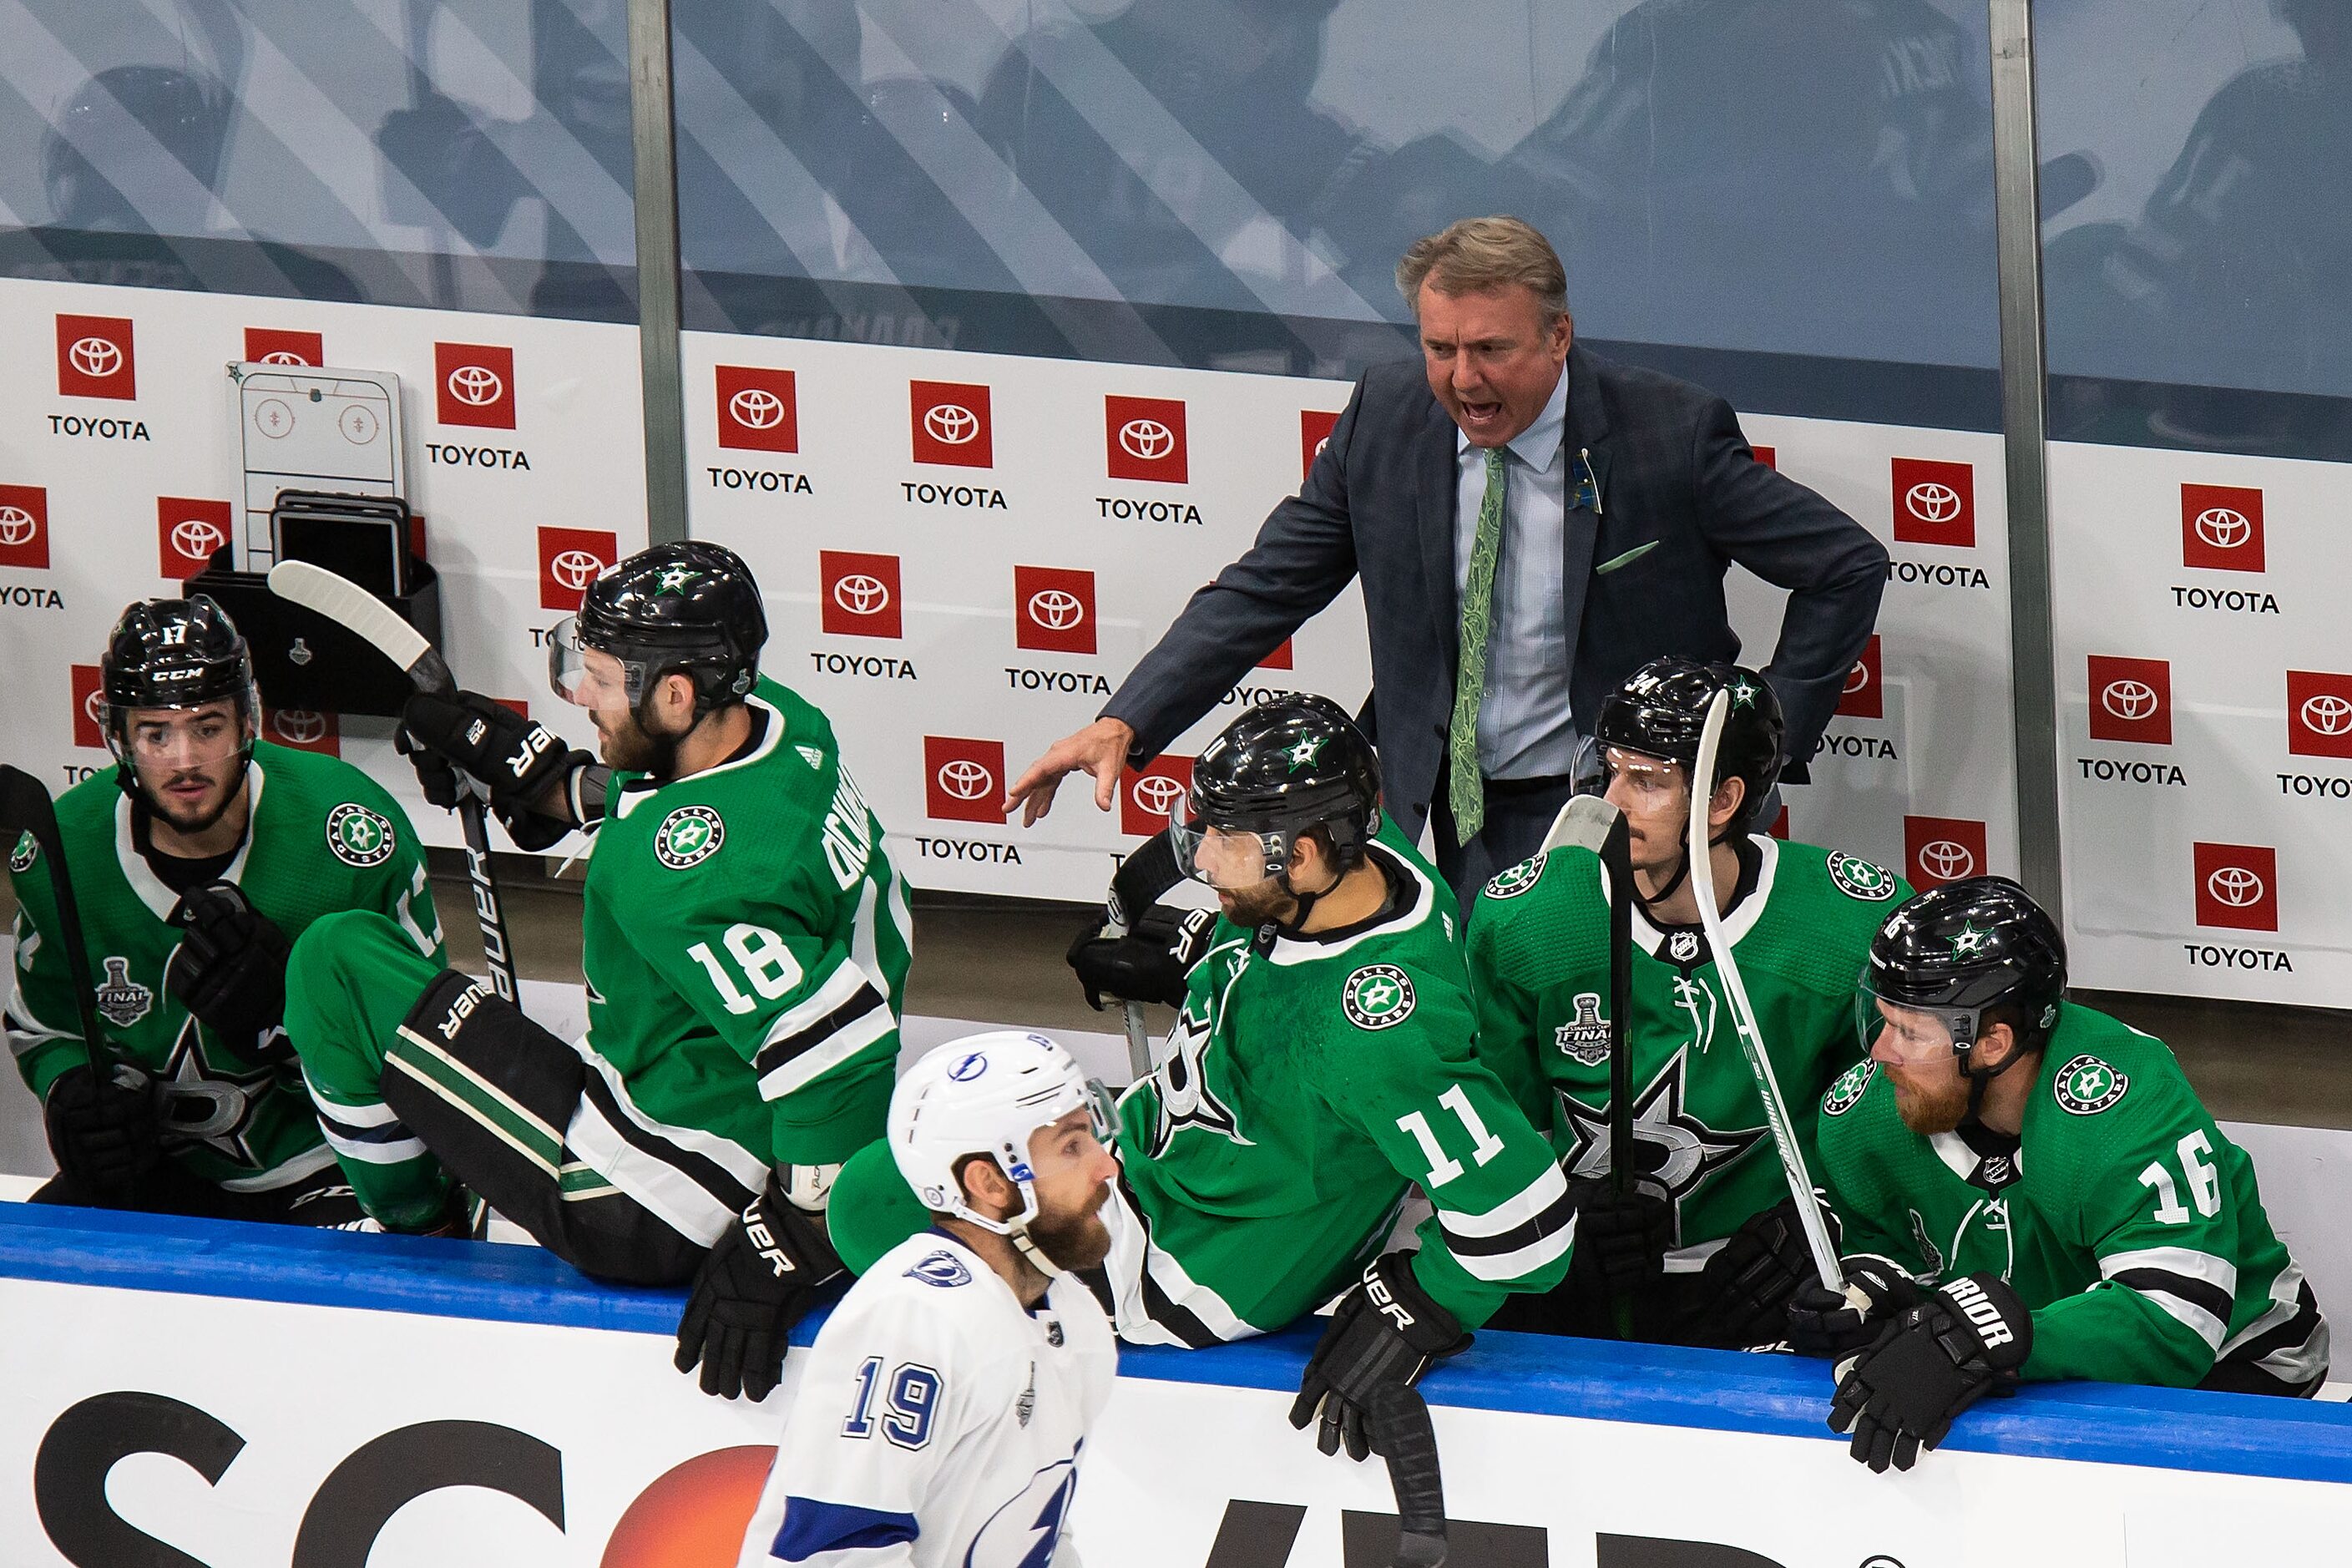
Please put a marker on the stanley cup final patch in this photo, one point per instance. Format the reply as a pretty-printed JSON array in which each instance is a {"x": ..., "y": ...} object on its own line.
[
  {"x": 688, "y": 836},
  {"x": 1585, "y": 1037},
  {"x": 358, "y": 836},
  {"x": 1376, "y": 996},
  {"x": 2087, "y": 1086},
  {"x": 1858, "y": 879}
]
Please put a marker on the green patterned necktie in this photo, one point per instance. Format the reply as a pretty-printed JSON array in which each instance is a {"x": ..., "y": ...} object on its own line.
[{"x": 1466, "y": 787}]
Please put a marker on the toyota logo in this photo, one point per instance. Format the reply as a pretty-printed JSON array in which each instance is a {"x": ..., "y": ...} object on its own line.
[
  {"x": 861, "y": 594},
  {"x": 2327, "y": 714},
  {"x": 298, "y": 726},
  {"x": 17, "y": 526},
  {"x": 952, "y": 423},
  {"x": 1947, "y": 862},
  {"x": 1155, "y": 793},
  {"x": 2235, "y": 887},
  {"x": 1932, "y": 502},
  {"x": 1857, "y": 679},
  {"x": 1055, "y": 609},
  {"x": 575, "y": 568},
  {"x": 197, "y": 538},
  {"x": 93, "y": 707},
  {"x": 2130, "y": 700},
  {"x": 476, "y": 386},
  {"x": 1147, "y": 440},
  {"x": 2223, "y": 528},
  {"x": 756, "y": 408},
  {"x": 283, "y": 356},
  {"x": 95, "y": 357},
  {"x": 965, "y": 779}
]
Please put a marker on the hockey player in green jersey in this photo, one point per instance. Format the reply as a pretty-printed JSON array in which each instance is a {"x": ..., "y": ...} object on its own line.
[
  {"x": 745, "y": 943},
  {"x": 193, "y": 865},
  {"x": 1323, "y": 1064},
  {"x": 2030, "y": 1190},
  {"x": 1707, "y": 1245}
]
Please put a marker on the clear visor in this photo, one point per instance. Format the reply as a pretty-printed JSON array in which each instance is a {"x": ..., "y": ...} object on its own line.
[
  {"x": 588, "y": 678},
  {"x": 1229, "y": 858},
  {"x": 177, "y": 740},
  {"x": 1639, "y": 781},
  {"x": 1897, "y": 1032}
]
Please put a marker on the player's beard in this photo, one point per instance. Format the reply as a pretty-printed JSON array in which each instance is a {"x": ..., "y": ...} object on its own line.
[
  {"x": 1929, "y": 1110},
  {"x": 1261, "y": 902},
  {"x": 629, "y": 747},
  {"x": 1075, "y": 1240},
  {"x": 190, "y": 821}
]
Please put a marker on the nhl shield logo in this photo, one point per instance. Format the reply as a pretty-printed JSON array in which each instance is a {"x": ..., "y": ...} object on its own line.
[
  {"x": 21, "y": 859},
  {"x": 1858, "y": 879},
  {"x": 1851, "y": 1085},
  {"x": 1376, "y": 996},
  {"x": 358, "y": 836},
  {"x": 122, "y": 1001},
  {"x": 2087, "y": 1086},
  {"x": 1510, "y": 884},
  {"x": 1684, "y": 947},
  {"x": 1584, "y": 1038},
  {"x": 688, "y": 836}
]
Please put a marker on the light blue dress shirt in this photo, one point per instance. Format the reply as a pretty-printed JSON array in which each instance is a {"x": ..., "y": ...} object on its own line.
[{"x": 1524, "y": 727}]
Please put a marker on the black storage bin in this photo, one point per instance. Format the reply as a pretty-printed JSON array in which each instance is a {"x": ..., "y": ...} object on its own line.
[{"x": 301, "y": 659}]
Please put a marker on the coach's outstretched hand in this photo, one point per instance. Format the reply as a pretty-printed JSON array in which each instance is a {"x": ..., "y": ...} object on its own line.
[
  {"x": 1385, "y": 1332},
  {"x": 761, "y": 1276}
]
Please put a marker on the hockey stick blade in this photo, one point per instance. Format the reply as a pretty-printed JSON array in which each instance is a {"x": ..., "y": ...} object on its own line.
[
  {"x": 26, "y": 808},
  {"x": 1582, "y": 824},
  {"x": 1401, "y": 1435},
  {"x": 352, "y": 607},
  {"x": 1743, "y": 1015}
]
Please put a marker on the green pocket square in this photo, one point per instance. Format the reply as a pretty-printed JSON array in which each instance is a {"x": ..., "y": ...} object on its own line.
[{"x": 1627, "y": 559}]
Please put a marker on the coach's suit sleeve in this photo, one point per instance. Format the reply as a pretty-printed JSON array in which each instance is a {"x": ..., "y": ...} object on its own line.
[
  {"x": 1834, "y": 572},
  {"x": 1304, "y": 554}
]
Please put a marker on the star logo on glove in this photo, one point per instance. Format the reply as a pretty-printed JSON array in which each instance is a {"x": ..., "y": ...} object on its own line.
[
  {"x": 1970, "y": 942},
  {"x": 1673, "y": 1152}
]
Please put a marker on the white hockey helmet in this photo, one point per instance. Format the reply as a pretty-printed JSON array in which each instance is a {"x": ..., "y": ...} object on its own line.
[{"x": 985, "y": 1094}]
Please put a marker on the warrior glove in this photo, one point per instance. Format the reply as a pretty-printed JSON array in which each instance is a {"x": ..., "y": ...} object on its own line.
[
  {"x": 762, "y": 1275},
  {"x": 1929, "y": 1364},
  {"x": 1823, "y": 1322},
  {"x": 105, "y": 1133},
  {"x": 229, "y": 970},
  {"x": 1384, "y": 1332},
  {"x": 1148, "y": 965}
]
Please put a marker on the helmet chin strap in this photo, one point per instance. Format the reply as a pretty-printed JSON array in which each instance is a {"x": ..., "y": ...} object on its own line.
[
  {"x": 1035, "y": 1253},
  {"x": 1979, "y": 1078}
]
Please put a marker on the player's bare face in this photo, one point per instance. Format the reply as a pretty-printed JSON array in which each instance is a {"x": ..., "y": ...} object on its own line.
[
  {"x": 1493, "y": 356},
  {"x": 187, "y": 761},
  {"x": 1654, "y": 794},
  {"x": 1074, "y": 1176},
  {"x": 1913, "y": 1049}
]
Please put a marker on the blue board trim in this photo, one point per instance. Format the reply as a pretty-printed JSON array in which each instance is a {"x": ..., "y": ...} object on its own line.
[{"x": 1660, "y": 1385}]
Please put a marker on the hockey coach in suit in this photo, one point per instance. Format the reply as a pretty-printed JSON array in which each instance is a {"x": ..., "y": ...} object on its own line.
[{"x": 1532, "y": 523}]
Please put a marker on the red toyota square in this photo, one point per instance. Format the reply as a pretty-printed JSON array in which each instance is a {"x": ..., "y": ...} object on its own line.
[
  {"x": 1779, "y": 828},
  {"x": 758, "y": 410},
  {"x": 1279, "y": 659},
  {"x": 2131, "y": 699},
  {"x": 1940, "y": 849},
  {"x": 188, "y": 532},
  {"x": 1768, "y": 456},
  {"x": 2318, "y": 713},
  {"x": 951, "y": 424},
  {"x": 275, "y": 345},
  {"x": 24, "y": 525},
  {"x": 1314, "y": 428},
  {"x": 89, "y": 708},
  {"x": 473, "y": 384},
  {"x": 1053, "y": 609},
  {"x": 2221, "y": 527},
  {"x": 2237, "y": 886},
  {"x": 94, "y": 357},
  {"x": 860, "y": 595},
  {"x": 1934, "y": 503},
  {"x": 1864, "y": 697},
  {"x": 1145, "y": 798},
  {"x": 303, "y": 728},
  {"x": 963, "y": 781},
  {"x": 1145, "y": 438},
  {"x": 569, "y": 560}
]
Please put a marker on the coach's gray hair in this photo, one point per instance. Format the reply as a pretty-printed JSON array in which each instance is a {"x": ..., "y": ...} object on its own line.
[{"x": 1481, "y": 253}]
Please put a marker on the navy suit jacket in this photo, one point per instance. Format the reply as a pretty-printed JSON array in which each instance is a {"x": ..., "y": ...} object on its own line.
[{"x": 1682, "y": 497}]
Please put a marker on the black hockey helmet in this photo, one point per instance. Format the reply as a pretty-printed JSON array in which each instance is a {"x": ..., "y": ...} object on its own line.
[
  {"x": 1287, "y": 765},
  {"x": 689, "y": 609},
  {"x": 1660, "y": 711},
  {"x": 1962, "y": 950},
  {"x": 166, "y": 654}
]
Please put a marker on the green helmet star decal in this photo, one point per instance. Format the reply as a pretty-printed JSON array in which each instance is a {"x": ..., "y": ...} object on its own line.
[
  {"x": 1970, "y": 941},
  {"x": 677, "y": 580},
  {"x": 1743, "y": 692},
  {"x": 1304, "y": 753}
]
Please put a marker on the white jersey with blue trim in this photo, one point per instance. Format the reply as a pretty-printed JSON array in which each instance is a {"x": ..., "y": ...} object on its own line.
[{"x": 938, "y": 1422}]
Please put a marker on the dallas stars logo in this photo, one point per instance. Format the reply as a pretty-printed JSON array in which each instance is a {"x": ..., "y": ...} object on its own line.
[
  {"x": 1744, "y": 693},
  {"x": 207, "y": 1105},
  {"x": 688, "y": 836},
  {"x": 1858, "y": 879},
  {"x": 1673, "y": 1152},
  {"x": 1377, "y": 997},
  {"x": 1304, "y": 753},
  {"x": 359, "y": 837},
  {"x": 676, "y": 580},
  {"x": 1517, "y": 879},
  {"x": 1968, "y": 941},
  {"x": 2086, "y": 1086},
  {"x": 1183, "y": 1081}
]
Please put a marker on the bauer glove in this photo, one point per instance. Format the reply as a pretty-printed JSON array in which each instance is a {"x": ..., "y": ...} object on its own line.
[
  {"x": 762, "y": 1275},
  {"x": 105, "y": 1133},
  {"x": 1825, "y": 1322},
  {"x": 1385, "y": 1332},
  {"x": 1932, "y": 1362},
  {"x": 1148, "y": 965},
  {"x": 518, "y": 759},
  {"x": 229, "y": 970},
  {"x": 1744, "y": 1289}
]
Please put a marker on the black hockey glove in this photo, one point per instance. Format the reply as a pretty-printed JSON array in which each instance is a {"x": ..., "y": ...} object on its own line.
[
  {"x": 517, "y": 759},
  {"x": 229, "y": 970},
  {"x": 1743, "y": 1293},
  {"x": 1384, "y": 1332},
  {"x": 761, "y": 1276},
  {"x": 1823, "y": 1322},
  {"x": 1929, "y": 1364},
  {"x": 1621, "y": 1242},
  {"x": 1148, "y": 965},
  {"x": 105, "y": 1134}
]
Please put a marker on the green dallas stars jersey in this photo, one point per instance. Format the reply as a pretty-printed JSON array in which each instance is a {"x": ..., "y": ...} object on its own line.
[
  {"x": 324, "y": 836},
  {"x": 1539, "y": 953},
  {"x": 2130, "y": 1226},
  {"x": 746, "y": 946}
]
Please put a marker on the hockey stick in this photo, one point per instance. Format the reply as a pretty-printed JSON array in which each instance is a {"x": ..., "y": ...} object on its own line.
[
  {"x": 1401, "y": 1435},
  {"x": 372, "y": 620},
  {"x": 1743, "y": 1015},
  {"x": 26, "y": 808},
  {"x": 1135, "y": 887}
]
